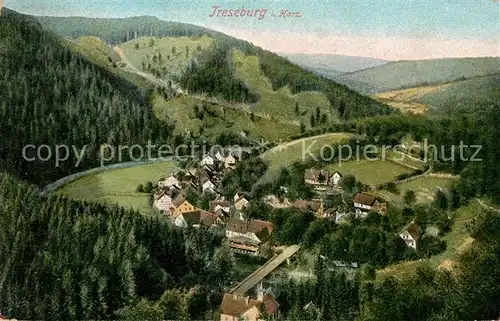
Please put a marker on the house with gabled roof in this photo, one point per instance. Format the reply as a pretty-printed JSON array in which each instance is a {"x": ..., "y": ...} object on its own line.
[
  {"x": 335, "y": 179},
  {"x": 315, "y": 206},
  {"x": 163, "y": 202},
  {"x": 190, "y": 173},
  {"x": 206, "y": 185},
  {"x": 207, "y": 160},
  {"x": 169, "y": 182},
  {"x": 411, "y": 234},
  {"x": 198, "y": 218},
  {"x": 219, "y": 204},
  {"x": 235, "y": 308},
  {"x": 247, "y": 236},
  {"x": 316, "y": 176},
  {"x": 229, "y": 161},
  {"x": 363, "y": 202},
  {"x": 207, "y": 169},
  {"x": 241, "y": 200},
  {"x": 181, "y": 205}
]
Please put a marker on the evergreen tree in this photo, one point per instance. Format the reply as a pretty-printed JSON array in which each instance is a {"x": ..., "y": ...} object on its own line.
[
  {"x": 409, "y": 197},
  {"x": 313, "y": 121}
]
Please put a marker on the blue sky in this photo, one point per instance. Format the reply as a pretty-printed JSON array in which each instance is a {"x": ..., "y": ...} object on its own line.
[{"x": 457, "y": 20}]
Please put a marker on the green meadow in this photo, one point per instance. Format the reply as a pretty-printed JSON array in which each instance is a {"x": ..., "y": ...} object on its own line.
[{"x": 118, "y": 186}]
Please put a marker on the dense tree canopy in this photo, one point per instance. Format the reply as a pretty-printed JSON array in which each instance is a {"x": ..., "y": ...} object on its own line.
[
  {"x": 52, "y": 96},
  {"x": 66, "y": 260},
  {"x": 468, "y": 292}
]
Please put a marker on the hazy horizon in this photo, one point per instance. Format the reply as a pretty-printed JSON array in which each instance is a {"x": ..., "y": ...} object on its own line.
[{"x": 409, "y": 30}]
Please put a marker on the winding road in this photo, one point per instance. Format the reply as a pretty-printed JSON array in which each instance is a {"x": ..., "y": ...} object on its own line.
[
  {"x": 131, "y": 68},
  {"x": 244, "y": 108},
  {"x": 485, "y": 206},
  {"x": 52, "y": 187}
]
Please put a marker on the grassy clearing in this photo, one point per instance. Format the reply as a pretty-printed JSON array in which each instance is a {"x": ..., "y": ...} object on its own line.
[
  {"x": 96, "y": 49},
  {"x": 370, "y": 172},
  {"x": 406, "y": 106},
  {"x": 405, "y": 159},
  {"x": 425, "y": 188},
  {"x": 118, "y": 186},
  {"x": 181, "y": 110},
  {"x": 279, "y": 104},
  {"x": 175, "y": 51},
  {"x": 404, "y": 100},
  {"x": 286, "y": 154},
  {"x": 457, "y": 241},
  {"x": 443, "y": 98},
  {"x": 98, "y": 52},
  {"x": 410, "y": 94}
]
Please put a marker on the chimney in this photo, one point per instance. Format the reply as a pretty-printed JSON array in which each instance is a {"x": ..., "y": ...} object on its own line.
[
  {"x": 247, "y": 299},
  {"x": 260, "y": 293},
  {"x": 260, "y": 296}
]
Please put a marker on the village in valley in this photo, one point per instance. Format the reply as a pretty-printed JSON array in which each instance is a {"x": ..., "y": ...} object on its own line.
[
  {"x": 248, "y": 236},
  {"x": 168, "y": 160}
]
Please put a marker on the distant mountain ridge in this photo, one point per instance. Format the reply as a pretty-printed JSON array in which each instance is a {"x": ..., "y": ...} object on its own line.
[
  {"x": 334, "y": 63},
  {"x": 412, "y": 73}
]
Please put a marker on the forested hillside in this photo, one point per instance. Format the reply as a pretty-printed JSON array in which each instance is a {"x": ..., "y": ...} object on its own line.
[
  {"x": 464, "y": 144},
  {"x": 213, "y": 73},
  {"x": 68, "y": 260},
  {"x": 53, "y": 96},
  {"x": 118, "y": 30},
  {"x": 348, "y": 103},
  {"x": 469, "y": 291},
  {"x": 281, "y": 73}
]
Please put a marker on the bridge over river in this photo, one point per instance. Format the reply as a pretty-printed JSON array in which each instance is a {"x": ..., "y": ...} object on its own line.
[{"x": 258, "y": 275}]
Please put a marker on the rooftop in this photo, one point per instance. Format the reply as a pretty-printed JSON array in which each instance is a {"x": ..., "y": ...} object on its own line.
[
  {"x": 365, "y": 199},
  {"x": 235, "y": 306}
]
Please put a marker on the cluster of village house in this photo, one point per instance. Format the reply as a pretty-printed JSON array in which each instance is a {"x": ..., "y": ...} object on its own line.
[
  {"x": 247, "y": 236},
  {"x": 363, "y": 203}
]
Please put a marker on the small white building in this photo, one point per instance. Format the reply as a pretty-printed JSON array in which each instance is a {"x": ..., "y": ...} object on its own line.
[
  {"x": 169, "y": 182},
  {"x": 237, "y": 196},
  {"x": 163, "y": 203},
  {"x": 220, "y": 205},
  {"x": 411, "y": 234},
  {"x": 207, "y": 160},
  {"x": 363, "y": 202},
  {"x": 335, "y": 179},
  {"x": 240, "y": 203},
  {"x": 208, "y": 187},
  {"x": 219, "y": 156},
  {"x": 229, "y": 161}
]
